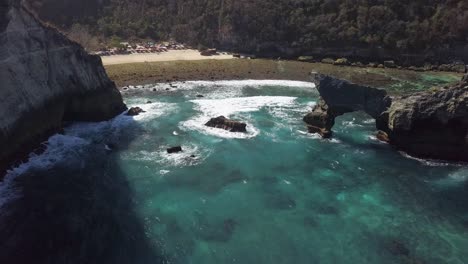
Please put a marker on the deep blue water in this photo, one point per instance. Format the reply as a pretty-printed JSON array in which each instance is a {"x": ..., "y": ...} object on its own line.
[{"x": 275, "y": 194}]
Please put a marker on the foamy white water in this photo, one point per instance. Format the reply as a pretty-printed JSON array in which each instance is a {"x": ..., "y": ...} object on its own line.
[{"x": 228, "y": 107}]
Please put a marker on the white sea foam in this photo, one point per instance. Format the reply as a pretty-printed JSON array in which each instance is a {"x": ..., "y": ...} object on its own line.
[
  {"x": 154, "y": 110},
  {"x": 433, "y": 162},
  {"x": 58, "y": 147},
  {"x": 122, "y": 121},
  {"x": 179, "y": 159},
  {"x": 226, "y": 88},
  {"x": 189, "y": 85},
  {"x": 351, "y": 123},
  {"x": 369, "y": 121},
  {"x": 227, "y": 107}
]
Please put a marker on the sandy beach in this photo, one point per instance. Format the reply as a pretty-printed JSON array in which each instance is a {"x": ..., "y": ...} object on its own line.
[{"x": 171, "y": 55}]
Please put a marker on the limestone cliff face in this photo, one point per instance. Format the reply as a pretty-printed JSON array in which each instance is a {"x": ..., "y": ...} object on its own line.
[
  {"x": 45, "y": 79},
  {"x": 432, "y": 124}
]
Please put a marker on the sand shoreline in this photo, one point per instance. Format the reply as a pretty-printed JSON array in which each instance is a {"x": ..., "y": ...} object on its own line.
[{"x": 171, "y": 55}]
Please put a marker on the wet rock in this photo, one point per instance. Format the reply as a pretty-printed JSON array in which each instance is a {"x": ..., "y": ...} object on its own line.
[
  {"x": 200, "y": 96},
  {"x": 341, "y": 62},
  {"x": 328, "y": 61},
  {"x": 208, "y": 52},
  {"x": 149, "y": 102},
  {"x": 176, "y": 149},
  {"x": 389, "y": 64},
  {"x": 305, "y": 58},
  {"x": 453, "y": 67},
  {"x": 227, "y": 124},
  {"x": 382, "y": 136},
  {"x": 134, "y": 111}
]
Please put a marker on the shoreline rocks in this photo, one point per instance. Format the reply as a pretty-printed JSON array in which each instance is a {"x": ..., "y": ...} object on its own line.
[
  {"x": 227, "y": 124},
  {"x": 430, "y": 124}
]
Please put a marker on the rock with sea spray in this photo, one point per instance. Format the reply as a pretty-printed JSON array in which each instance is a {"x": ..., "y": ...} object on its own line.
[{"x": 227, "y": 124}]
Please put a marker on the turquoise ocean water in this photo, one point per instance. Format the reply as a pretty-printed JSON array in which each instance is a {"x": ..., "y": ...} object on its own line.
[{"x": 272, "y": 195}]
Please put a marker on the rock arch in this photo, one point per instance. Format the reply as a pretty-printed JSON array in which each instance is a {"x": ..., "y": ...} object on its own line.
[{"x": 338, "y": 97}]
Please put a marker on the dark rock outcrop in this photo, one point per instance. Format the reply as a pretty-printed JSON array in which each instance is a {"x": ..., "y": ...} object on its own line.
[
  {"x": 46, "y": 79},
  {"x": 224, "y": 123},
  {"x": 431, "y": 124},
  {"x": 134, "y": 111},
  {"x": 174, "y": 149}
]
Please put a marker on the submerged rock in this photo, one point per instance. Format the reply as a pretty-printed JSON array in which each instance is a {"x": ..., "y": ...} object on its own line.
[
  {"x": 431, "y": 124},
  {"x": 134, "y": 111},
  {"x": 174, "y": 150},
  {"x": 227, "y": 124},
  {"x": 398, "y": 248},
  {"x": 46, "y": 80}
]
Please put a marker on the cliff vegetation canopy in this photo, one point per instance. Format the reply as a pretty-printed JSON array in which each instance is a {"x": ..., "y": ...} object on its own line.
[{"x": 250, "y": 24}]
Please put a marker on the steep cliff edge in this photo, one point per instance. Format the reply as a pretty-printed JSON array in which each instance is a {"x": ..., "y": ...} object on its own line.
[
  {"x": 46, "y": 79},
  {"x": 431, "y": 124}
]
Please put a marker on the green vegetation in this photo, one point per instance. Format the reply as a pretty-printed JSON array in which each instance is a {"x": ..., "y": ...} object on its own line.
[{"x": 260, "y": 25}]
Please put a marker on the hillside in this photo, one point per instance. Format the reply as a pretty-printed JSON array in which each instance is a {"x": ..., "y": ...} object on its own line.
[{"x": 430, "y": 29}]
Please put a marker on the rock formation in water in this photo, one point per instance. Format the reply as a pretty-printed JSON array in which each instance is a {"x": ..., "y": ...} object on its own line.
[
  {"x": 46, "y": 79},
  {"x": 227, "y": 124},
  {"x": 431, "y": 124},
  {"x": 338, "y": 97},
  {"x": 134, "y": 111},
  {"x": 172, "y": 150}
]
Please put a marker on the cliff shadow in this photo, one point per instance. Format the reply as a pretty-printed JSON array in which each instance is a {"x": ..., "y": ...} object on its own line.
[{"x": 79, "y": 210}]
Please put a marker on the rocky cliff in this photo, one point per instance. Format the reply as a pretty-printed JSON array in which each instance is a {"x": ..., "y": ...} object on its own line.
[
  {"x": 46, "y": 79},
  {"x": 431, "y": 124}
]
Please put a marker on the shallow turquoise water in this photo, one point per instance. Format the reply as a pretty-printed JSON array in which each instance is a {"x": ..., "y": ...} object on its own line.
[{"x": 277, "y": 194}]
